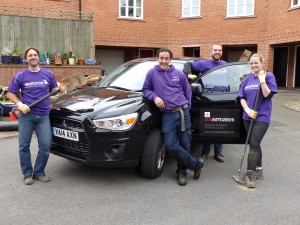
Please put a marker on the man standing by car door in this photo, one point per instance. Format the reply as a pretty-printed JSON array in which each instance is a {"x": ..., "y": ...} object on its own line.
[
  {"x": 169, "y": 89},
  {"x": 201, "y": 66}
]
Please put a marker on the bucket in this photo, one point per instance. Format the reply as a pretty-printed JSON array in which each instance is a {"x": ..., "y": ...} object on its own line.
[{"x": 12, "y": 116}]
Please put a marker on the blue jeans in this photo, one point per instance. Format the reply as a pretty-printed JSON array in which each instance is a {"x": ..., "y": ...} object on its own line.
[
  {"x": 27, "y": 124},
  {"x": 218, "y": 148},
  {"x": 178, "y": 142}
]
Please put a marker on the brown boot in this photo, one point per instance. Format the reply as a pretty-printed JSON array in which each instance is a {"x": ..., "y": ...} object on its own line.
[
  {"x": 258, "y": 174},
  {"x": 249, "y": 180}
]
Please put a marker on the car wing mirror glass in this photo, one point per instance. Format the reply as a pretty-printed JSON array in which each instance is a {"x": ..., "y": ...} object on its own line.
[{"x": 196, "y": 89}]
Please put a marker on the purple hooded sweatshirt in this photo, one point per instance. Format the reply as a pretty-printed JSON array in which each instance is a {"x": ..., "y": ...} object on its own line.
[
  {"x": 171, "y": 86},
  {"x": 201, "y": 66}
]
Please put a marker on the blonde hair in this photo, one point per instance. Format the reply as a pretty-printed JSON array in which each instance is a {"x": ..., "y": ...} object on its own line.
[{"x": 259, "y": 56}]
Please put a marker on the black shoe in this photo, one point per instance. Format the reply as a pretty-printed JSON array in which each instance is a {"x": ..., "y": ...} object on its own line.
[
  {"x": 197, "y": 172},
  {"x": 181, "y": 179},
  {"x": 219, "y": 157}
]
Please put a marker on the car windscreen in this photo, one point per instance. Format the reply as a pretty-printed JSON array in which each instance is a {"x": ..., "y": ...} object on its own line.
[{"x": 131, "y": 75}]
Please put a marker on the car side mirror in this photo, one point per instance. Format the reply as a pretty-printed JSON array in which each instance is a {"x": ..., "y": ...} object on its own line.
[{"x": 196, "y": 89}]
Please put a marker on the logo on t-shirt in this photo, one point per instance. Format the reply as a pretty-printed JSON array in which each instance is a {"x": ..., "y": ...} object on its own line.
[
  {"x": 251, "y": 86},
  {"x": 175, "y": 78},
  {"x": 36, "y": 83}
]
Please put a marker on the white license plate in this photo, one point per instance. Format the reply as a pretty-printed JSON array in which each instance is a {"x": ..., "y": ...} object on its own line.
[{"x": 70, "y": 135}]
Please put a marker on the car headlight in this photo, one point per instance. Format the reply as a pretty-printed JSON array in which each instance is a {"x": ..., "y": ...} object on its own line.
[{"x": 123, "y": 122}]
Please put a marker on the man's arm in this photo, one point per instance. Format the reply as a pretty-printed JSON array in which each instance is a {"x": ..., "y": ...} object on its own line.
[
  {"x": 187, "y": 69},
  {"x": 22, "y": 107},
  {"x": 150, "y": 94}
]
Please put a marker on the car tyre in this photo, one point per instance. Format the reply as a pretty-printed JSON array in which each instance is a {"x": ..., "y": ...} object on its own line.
[{"x": 153, "y": 156}]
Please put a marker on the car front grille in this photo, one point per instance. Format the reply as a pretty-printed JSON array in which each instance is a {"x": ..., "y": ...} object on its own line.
[
  {"x": 77, "y": 149},
  {"x": 72, "y": 124},
  {"x": 74, "y": 148}
]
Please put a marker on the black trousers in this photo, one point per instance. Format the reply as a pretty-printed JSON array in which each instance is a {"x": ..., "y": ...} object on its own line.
[{"x": 259, "y": 130}]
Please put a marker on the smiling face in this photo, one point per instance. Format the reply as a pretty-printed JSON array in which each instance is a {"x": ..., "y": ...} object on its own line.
[
  {"x": 256, "y": 64},
  {"x": 216, "y": 52},
  {"x": 32, "y": 58},
  {"x": 164, "y": 60}
]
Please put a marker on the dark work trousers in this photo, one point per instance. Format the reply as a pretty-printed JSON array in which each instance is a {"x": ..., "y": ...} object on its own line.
[
  {"x": 258, "y": 131},
  {"x": 178, "y": 142}
]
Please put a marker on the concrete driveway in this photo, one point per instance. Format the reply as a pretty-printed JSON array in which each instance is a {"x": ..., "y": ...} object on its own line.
[{"x": 80, "y": 195}]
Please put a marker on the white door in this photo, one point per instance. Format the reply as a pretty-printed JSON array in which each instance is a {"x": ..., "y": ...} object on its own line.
[{"x": 110, "y": 59}]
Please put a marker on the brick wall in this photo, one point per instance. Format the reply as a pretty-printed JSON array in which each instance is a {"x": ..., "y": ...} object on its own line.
[
  {"x": 8, "y": 71},
  {"x": 72, "y": 5},
  {"x": 273, "y": 23}
]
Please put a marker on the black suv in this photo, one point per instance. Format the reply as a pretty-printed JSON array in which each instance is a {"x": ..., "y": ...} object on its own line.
[{"x": 113, "y": 125}]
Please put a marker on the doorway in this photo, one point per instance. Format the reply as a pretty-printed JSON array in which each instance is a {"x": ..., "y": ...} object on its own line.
[
  {"x": 281, "y": 65},
  {"x": 297, "y": 67}
]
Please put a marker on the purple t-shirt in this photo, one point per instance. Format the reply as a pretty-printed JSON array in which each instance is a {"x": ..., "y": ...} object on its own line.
[
  {"x": 248, "y": 92},
  {"x": 171, "y": 86},
  {"x": 201, "y": 66},
  {"x": 33, "y": 86}
]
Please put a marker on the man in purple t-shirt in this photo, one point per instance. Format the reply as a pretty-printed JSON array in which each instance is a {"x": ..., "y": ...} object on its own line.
[
  {"x": 33, "y": 83},
  {"x": 200, "y": 67},
  {"x": 169, "y": 89}
]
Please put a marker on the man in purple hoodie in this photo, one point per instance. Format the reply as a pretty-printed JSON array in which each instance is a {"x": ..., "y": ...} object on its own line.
[
  {"x": 202, "y": 66},
  {"x": 169, "y": 89}
]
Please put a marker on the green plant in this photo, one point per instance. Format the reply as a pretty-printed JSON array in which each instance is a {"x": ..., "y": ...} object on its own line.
[
  {"x": 6, "y": 51},
  {"x": 71, "y": 53},
  {"x": 64, "y": 55},
  {"x": 15, "y": 52},
  {"x": 48, "y": 54}
]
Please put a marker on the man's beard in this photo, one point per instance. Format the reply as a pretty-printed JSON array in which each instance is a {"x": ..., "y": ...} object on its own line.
[{"x": 216, "y": 59}]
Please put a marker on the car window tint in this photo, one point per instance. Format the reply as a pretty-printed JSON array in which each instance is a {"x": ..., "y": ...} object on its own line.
[
  {"x": 226, "y": 79},
  {"x": 132, "y": 76}
]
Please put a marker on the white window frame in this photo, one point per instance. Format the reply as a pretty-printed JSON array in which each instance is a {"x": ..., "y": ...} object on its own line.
[
  {"x": 293, "y": 4},
  {"x": 236, "y": 3},
  {"x": 191, "y": 7},
  {"x": 127, "y": 9}
]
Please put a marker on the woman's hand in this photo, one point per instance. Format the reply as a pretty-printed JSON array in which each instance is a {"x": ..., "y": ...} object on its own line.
[
  {"x": 251, "y": 113},
  {"x": 262, "y": 76}
]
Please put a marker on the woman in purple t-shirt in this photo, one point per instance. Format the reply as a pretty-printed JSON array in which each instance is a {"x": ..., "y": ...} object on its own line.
[{"x": 261, "y": 115}]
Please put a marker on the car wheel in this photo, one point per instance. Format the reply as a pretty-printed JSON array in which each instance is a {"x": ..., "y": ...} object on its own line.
[{"x": 153, "y": 156}]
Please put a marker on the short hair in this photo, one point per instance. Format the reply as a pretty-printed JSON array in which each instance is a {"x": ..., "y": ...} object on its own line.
[
  {"x": 164, "y": 50},
  {"x": 29, "y": 48},
  {"x": 212, "y": 46},
  {"x": 259, "y": 56}
]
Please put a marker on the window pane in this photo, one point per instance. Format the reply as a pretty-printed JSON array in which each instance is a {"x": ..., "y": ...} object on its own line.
[
  {"x": 130, "y": 12},
  {"x": 195, "y": 3},
  {"x": 123, "y": 11},
  {"x": 186, "y": 3},
  {"x": 130, "y": 2},
  {"x": 195, "y": 12},
  {"x": 138, "y": 3},
  {"x": 231, "y": 2},
  {"x": 138, "y": 13},
  {"x": 186, "y": 12},
  {"x": 249, "y": 9},
  {"x": 123, "y": 2},
  {"x": 231, "y": 10}
]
